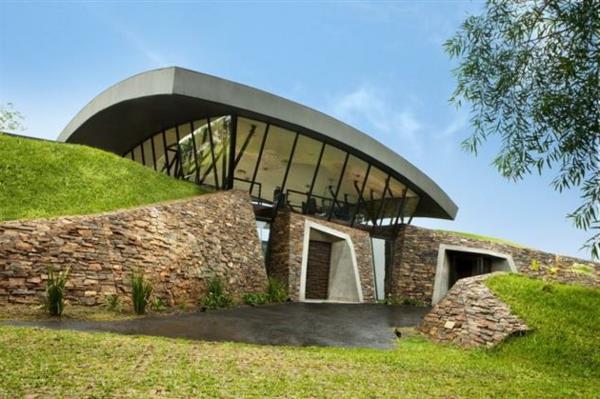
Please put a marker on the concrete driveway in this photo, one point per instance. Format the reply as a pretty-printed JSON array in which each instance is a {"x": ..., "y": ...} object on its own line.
[{"x": 296, "y": 324}]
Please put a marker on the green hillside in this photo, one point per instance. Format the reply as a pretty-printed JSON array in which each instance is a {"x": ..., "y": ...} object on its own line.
[
  {"x": 40, "y": 179},
  {"x": 560, "y": 358}
]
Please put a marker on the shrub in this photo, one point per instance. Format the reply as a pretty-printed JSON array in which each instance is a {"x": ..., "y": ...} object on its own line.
[
  {"x": 158, "y": 304},
  {"x": 113, "y": 303},
  {"x": 141, "y": 289},
  {"x": 55, "y": 291},
  {"x": 255, "y": 298},
  {"x": 402, "y": 300},
  {"x": 276, "y": 291},
  {"x": 535, "y": 265},
  {"x": 216, "y": 296},
  {"x": 580, "y": 268}
]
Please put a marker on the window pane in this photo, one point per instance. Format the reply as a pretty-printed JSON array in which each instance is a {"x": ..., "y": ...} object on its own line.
[
  {"x": 249, "y": 138},
  {"x": 302, "y": 171},
  {"x": 412, "y": 200},
  {"x": 372, "y": 195},
  {"x": 327, "y": 179},
  {"x": 159, "y": 150},
  {"x": 347, "y": 198},
  {"x": 220, "y": 128},
  {"x": 137, "y": 154},
  {"x": 148, "y": 153},
  {"x": 187, "y": 157},
  {"x": 171, "y": 154},
  {"x": 274, "y": 160},
  {"x": 393, "y": 201}
]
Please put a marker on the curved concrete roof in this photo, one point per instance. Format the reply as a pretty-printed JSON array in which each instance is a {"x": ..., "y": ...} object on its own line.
[{"x": 137, "y": 107}]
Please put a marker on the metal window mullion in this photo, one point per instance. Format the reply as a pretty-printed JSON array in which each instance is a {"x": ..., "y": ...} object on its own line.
[
  {"x": 387, "y": 184},
  {"x": 196, "y": 169},
  {"x": 339, "y": 185},
  {"x": 399, "y": 214},
  {"x": 413, "y": 214},
  {"x": 260, "y": 152},
  {"x": 153, "y": 152},
  {"x": 360, "y": 194},
  {"x": 314, "y": 179},
  {"x": 167, "y": 165},
  {"x": 289, "y": 163},
  {"x": 212, "y": 152},
  {"x": 232, "y": 145},
  {"x": 244, "y": 146},
  {"x": 143, "y": 156}
]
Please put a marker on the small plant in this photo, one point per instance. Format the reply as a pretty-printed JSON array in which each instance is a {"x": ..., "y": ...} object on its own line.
[
  {"x": 535, "y": 265},
  {"x": 217, "y": 297},
  {"x": 580, "y": 268},
  {"x": 158, "y": 305},
  {"x": 141, "y": 289},
  {"x": 547, "y": 287},
  {"x": 402, "y": 300},
  {"x": 255, "y": 298},
  {"x": 113, "y": 303},
  {"x": 276, "y": 291},
  {"x": 553, "y": 270},
  {"x": 55, "y": 291}
]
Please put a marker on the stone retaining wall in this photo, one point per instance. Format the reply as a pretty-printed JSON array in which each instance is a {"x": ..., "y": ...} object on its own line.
[
  {"x": 471, "y": 315},
  {"x": 285, "y": 254},
  {"x": 416, "y": 255},
  {"x": 179, "y": 245}
]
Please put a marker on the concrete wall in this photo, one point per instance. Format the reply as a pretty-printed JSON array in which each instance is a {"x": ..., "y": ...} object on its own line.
[
  {"x": 179, "y": 245},
  {"x": 286, "y": 247},
  {"x": 416, "y": 258}
]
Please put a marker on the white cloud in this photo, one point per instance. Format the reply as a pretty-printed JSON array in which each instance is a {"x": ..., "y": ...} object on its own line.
[
  {"x": 457, "y": 124},
  {"x": 131, "y": 38},
  {"x": 371, "y": 108}
]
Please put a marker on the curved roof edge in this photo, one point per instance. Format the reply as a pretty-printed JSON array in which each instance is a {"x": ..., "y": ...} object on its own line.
[{"x": 184, "y": 82}]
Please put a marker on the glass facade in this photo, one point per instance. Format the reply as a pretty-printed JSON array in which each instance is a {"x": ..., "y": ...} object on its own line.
[{"x": 279, "y": 167}]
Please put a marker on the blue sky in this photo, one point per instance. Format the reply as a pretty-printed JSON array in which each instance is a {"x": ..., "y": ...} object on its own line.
[{"x": 378, "y": 66}]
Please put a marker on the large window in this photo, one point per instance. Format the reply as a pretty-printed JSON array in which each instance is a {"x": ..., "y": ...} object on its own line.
[{"x": 279, "y": 166}]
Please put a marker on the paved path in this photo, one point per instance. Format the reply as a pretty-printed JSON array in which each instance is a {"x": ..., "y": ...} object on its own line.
[{"x": 297, "y": 324}]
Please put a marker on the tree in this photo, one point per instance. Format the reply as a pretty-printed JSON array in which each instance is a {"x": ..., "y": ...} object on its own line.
[
  {"x": 10, "y": 120},
  {"x": 530, "y": 72}
]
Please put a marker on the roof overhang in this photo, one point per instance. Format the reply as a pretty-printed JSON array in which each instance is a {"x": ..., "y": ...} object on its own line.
[{"x": 144, "y": 104}]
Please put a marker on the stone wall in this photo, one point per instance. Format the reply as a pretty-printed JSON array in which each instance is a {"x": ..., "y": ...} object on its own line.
[
  {"x": 317, "y": 269},
  {"x": 179, "y": 245},
  {"x": 416, "y": 255},
  {"x": 285, "y": 254},
  {"x": 471, "y": 315}
]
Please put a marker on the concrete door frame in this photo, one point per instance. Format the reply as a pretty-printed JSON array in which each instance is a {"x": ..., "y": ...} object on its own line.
[
  {"x": 442, "y": 271},
  {"x": 308, "y": 225}
]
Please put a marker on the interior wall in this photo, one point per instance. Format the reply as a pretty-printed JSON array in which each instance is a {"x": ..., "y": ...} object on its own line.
[{"x": 342, "y": 278}]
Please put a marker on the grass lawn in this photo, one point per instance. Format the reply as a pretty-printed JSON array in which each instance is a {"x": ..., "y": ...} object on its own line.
[
  {"x": 40, "y": 179},
  {"x": 560, "y": 359},
  {"x": 481, "y": 237}
]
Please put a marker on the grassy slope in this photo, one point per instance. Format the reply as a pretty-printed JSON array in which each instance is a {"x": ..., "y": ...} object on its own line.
[
  {"x": 41, "y": 179},
  {"x": 481, "y": 237},
  {"x": 559, "y": 360}
]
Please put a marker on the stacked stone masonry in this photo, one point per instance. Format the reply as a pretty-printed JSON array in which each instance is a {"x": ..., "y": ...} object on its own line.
[
  {"x": 179, "y": 245},
  {"x": 285, "y": 253},
  {"x": 416, "y": 254},
  {"x": 470, "y": 315},
  {"x": 317, "y": 270}
]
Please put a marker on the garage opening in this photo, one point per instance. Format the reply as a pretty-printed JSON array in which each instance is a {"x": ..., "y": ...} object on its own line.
[
  {"x": 468, "y": 264},
  {"x": 456, "y": 262},
  {"x": 329, "y": 269}
]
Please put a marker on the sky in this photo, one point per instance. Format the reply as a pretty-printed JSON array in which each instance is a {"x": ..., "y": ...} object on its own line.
[{"x": 379, "y": 66}]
